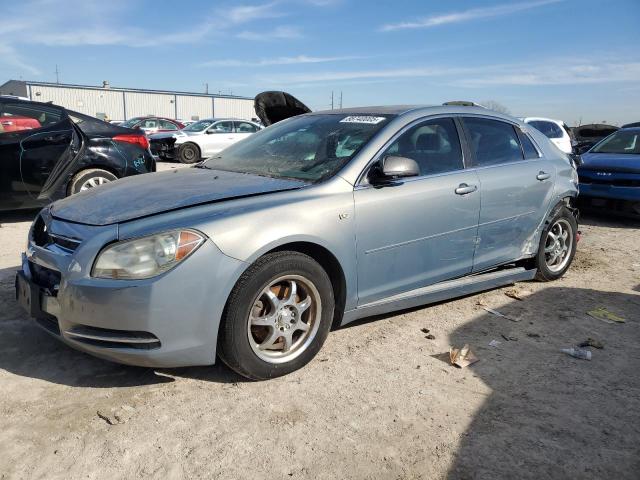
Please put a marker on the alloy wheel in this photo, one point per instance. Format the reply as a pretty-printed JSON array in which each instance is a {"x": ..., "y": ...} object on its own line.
[{"x": 558, "y": 245}]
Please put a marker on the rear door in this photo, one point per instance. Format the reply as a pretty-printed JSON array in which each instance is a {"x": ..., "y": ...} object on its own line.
[
  {"x": 516, "y": 185},
  {"x": 243, "y": 130},
  {"x": 29, "y": 156},
  {"x": 421, "y": 230}
]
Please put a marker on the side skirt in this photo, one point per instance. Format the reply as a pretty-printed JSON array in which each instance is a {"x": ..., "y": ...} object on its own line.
[{"x": 440, "y": 291}]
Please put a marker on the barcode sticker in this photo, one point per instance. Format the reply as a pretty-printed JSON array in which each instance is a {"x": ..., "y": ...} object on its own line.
[{"x": 363, "y": 119}]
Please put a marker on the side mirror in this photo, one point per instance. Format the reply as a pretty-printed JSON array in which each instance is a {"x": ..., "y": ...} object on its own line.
[{"x": 399, "y": 167}]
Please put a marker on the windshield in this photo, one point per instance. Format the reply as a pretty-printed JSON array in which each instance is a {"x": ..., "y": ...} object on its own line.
[
  {"x": 308, "y": 147},
  {"x": 131, "y": 122},
  {"x": 198, "y": 126},
  {"x": 623, "y": 141}
]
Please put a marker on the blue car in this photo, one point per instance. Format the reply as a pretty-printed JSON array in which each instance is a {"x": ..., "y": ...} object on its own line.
[{"x": 610, "y": 173}]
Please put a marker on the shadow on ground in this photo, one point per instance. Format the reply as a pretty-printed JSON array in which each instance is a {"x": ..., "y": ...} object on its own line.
[
  {"x": 18, "y": 216},
  {"x": 596, "y": 218},
  {"x": 551, "y": 415}
]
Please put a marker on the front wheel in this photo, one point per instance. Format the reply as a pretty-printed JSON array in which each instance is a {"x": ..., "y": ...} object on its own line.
[
  {"x": 557, "y": 245},
  {"x": 189, "y": 153},
  {"x": 277, "y": 316},
  {"x": 88, "y": 179}
]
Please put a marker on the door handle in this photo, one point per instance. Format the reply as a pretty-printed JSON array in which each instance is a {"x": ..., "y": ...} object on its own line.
[
  {"x": 464, "y": 189},
  {"x": 543, "y": 175}
]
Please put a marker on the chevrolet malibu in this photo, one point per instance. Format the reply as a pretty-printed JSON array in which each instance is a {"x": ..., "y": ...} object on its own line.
[{"x": 317, "y": 220}]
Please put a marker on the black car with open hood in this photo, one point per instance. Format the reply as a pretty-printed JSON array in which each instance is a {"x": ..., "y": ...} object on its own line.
[{"x": 272, "y": 107}]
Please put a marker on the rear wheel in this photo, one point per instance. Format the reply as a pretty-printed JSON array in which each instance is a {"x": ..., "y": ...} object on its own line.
[
  {"x": 88, "y": 179},
  {"x": 557, "y": 245},
  {"x": 189, "y": 153},
  {"x": 277, "y": 317}
]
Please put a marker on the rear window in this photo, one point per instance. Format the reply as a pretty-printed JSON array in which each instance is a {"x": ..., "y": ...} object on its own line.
[
  {"x": 493, "y": 142},
  {"x": 529, "y": 149},
  {"x": 549, "y": 129}
]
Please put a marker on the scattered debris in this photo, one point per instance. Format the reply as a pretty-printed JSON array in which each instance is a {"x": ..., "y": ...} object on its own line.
[
  {"x": 497, "y": 313},
  {"x": 517, "y": 293},
  {"x": 533, "y": 335},
  {"x": 107, "y": 418},
  {"x": 425, "y": 330},
  {"x": 578, "y": 353},
  {"x": 509, "y": 338},
  {"x": 494, "y": 343},
  {"x": 431, "y": 336},
  {"x": 462, "y": 357},
  {"x": 605, "y": 315},
  {"x": 592, "y": 342}
]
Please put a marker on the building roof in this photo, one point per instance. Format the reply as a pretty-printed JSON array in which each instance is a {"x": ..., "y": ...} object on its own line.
[{"x": 123, "y": 89}]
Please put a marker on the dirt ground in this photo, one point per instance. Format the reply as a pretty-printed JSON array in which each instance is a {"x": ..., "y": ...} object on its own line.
[{"x": 379, "y": 401}]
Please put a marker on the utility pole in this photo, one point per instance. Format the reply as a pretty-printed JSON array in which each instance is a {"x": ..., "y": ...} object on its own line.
[
  {"x": 331, "y": 99},
  {"x": 57, "y": 74},
  {"x": 341, "y": 99},
  {"x": 206, "y": 88}
]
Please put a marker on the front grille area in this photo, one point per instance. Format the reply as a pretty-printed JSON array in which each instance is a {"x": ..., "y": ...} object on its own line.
[
  {"x": 45, "y": 277},
  {"x": 108, "y": 338},
  {"x": 41, "y": 236},
  {"x": 614, "y": 182}
]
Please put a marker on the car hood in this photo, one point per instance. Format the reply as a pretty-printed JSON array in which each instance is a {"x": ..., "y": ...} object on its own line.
[
  {"x": 149, "y": 194},
  {"x": 612, "y": 162},
  {"x": 271, "y": 107}
]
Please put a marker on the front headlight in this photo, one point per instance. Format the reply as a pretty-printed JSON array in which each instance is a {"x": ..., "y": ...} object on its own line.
[{"x": 146, "y": 257}]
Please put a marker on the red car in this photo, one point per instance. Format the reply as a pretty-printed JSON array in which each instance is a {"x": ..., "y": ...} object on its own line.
[
  {"x": 13, "y": 123},
  {"x": 151, "y": 125}
]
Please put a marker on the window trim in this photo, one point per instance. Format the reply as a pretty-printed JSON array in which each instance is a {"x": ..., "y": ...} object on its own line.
[
  {"x": 513, "y": 124},
  {"x": 361, "y": 181}
]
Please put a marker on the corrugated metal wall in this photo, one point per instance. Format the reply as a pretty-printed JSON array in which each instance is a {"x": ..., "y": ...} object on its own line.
[
  {"x": 119, "y": 105},
  {"x": 89, "y": 102},
  {"x": 141, "y": 104},
  {"x": 232, "y": 107},
  {"x": 190, "y": 106}
]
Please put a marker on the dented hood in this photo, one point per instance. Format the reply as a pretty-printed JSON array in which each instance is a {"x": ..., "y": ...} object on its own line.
[
  {"x": 144, "y": 195},
  {"x": 271, "y": 107}
]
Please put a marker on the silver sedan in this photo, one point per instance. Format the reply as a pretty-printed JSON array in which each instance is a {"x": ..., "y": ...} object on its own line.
[{"x": 317, "y": 220}]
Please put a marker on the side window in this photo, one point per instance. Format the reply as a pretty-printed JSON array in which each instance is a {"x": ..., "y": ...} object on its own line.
[
  {"x": 15, "y": 117},
  {"x": 530, "y": 151},
  {"x": 245, "y": 127},
  {"x": 493, "y": 142},
  {"x": 166, "y": 125},
  {"x": 550, "y": 129},
  {"x": 433, "y": 144},
  {"x": 221, "y": 127}
]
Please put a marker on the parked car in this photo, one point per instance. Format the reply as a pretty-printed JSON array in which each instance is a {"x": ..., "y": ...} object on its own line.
[
  {"x": 48, "y": 152},
  {"x": 319, "y": 219},
  {"x": 150, "y": 125},
  {"x": 201, "y": 139},
  {"x": 610, "y": 173},
  {"x": 556, "y": 130},
  {"x": 588, "y": 135},
  {"x": 629, "y": 125}
]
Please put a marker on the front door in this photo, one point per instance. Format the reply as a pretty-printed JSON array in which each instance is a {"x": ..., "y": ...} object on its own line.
[
  {"x": 29, "y": 155},
  {"x": 517, "y": 188},
  {"x": 417, "y": 231},
  {"x": 217, "y": 137}
]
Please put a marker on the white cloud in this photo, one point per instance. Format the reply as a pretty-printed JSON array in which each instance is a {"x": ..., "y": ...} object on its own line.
[
  {"x": 11, "y": 58},
  {"x": 278, "y": 33},
  {"x": 467, "y": 15},
  {"x": 265, "y": 62}
]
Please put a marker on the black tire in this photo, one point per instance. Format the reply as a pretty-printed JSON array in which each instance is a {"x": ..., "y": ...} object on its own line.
[
  {"x": 544, "y": 272},
  {"x": 90, "y": 176},
  {"x": 234, "y": 346},
  {"x": 189, "y": 153}
]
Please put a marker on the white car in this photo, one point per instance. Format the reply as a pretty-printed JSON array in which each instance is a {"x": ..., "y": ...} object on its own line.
[
  {"x": 201, "y": 139},
  {"x": 556, "y": 130}
]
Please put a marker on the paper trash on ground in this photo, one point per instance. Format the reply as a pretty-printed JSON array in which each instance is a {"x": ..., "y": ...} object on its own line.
[
  {"x": 605, "y": 315},
  {"x": 462, "y": 357}
]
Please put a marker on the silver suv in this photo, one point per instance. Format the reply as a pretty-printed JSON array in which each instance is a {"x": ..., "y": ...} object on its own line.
[{"x": 318, "y": 220}]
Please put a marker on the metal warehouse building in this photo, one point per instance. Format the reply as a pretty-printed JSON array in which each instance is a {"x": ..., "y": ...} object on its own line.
[{"x": 116, "y": 103}]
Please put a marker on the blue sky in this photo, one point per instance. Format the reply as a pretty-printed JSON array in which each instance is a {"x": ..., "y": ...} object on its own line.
[{"x": 569, "y": 59}]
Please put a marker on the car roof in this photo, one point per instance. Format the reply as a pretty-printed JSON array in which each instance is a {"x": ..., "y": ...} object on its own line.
[
  {"x": 418, "y": 110},
  {"x": 630, "y": 129}
]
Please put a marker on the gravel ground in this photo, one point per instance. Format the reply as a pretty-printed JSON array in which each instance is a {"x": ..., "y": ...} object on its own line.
[{"x": 379, "y": 401}]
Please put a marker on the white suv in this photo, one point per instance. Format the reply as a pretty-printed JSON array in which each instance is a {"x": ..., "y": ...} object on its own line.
[{"x": 556, "y": 130}]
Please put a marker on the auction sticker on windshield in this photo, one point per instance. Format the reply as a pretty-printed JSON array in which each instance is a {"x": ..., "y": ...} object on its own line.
[{"x": 363, "y": 119}]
